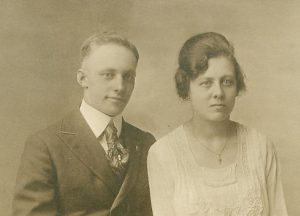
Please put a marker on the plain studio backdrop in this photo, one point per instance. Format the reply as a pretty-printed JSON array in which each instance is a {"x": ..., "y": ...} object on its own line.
[{"x": 39, "y": 56}]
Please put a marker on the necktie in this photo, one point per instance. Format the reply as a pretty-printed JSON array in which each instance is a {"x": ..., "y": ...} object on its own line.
[{"x": 117, "y": 155}]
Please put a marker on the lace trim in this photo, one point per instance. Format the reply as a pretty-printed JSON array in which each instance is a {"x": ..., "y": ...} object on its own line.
[{"x": 248, "y": 205}]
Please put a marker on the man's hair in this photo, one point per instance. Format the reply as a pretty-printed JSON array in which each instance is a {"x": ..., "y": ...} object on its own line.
[
  {"x": 106, "y": 38},
  {"x": 194, "y": 56}
]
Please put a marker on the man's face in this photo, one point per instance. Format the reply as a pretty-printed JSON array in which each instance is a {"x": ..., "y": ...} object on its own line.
[{"x": 108, "y": 77}]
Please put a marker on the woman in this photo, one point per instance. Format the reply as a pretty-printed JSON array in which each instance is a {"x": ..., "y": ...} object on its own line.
[{"x": 211, "y": 165}]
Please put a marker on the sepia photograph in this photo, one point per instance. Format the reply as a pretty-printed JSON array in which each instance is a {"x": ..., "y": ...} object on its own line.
[{"x": 150, "y": 108}]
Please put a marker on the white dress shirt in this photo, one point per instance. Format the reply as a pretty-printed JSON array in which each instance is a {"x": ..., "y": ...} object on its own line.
[{"x": 98, "y": 121}]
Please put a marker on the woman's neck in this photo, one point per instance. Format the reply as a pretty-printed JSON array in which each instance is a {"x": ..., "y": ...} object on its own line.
[
  {"x": 214, "y": 142},
  {"x": 209, "y": 130}
]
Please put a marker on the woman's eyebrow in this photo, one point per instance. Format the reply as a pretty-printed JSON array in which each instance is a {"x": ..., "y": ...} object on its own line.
[{"x": 205, "y": 78}]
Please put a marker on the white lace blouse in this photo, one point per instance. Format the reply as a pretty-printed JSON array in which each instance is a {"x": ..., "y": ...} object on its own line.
[{"x": 251, "y": 186}]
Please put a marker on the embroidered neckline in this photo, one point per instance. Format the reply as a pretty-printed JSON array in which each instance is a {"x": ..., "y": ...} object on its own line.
[
  {"x": 238, "y": 158},
  {"x": 248, "y": 200}
]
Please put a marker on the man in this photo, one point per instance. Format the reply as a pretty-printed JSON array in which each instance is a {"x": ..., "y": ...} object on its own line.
[{"x": 91, "y": 162}]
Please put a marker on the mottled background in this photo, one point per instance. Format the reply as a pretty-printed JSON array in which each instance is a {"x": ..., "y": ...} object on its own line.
[{"x": 39, "y": 56}]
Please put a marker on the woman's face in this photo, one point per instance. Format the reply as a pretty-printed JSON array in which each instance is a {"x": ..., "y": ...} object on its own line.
[{"x": 213, "y": 92}]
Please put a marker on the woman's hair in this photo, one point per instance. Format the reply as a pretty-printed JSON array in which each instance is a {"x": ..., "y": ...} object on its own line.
[{"x": 193, "y": 60}]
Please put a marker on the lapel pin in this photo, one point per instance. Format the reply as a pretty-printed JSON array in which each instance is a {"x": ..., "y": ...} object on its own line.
[
  {"x": 136, "y": 148},
  {"x": 66, "y": 132}
]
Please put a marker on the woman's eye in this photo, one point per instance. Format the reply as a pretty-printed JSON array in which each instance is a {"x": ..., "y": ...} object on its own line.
[
  {"x": 227, "y": 82},
  {"x": 205, "y": 83}
]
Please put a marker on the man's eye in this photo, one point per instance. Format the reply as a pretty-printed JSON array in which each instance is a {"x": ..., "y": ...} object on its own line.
[
  {"x": 129, "y": 77},
  {"x": 108, "y": 75}
]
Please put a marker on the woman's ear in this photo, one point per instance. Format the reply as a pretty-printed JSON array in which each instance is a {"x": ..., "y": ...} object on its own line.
[{"x": 82, "y": 78}]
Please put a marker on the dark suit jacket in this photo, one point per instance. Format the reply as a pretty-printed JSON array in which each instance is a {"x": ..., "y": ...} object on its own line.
[{"x": 64, "y": 171}]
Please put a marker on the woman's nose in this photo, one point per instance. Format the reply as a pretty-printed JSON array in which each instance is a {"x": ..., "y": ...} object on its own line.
[{"x": 217, "y": 90}]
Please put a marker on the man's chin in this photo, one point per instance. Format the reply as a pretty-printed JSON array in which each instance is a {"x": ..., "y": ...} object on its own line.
[{"x": 114, "y": 111}]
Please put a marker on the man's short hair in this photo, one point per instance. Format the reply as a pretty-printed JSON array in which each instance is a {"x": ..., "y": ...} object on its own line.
[{"x": 106, "y": 38}]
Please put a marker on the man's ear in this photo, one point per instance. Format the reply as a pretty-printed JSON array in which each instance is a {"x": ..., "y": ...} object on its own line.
[{"x": 82, "y": 78}]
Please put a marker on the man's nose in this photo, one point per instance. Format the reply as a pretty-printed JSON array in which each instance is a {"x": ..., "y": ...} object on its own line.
[{"x": 119, "y": 84}]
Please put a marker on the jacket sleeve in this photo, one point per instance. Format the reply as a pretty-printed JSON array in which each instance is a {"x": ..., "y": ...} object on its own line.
[
  {"x": 144, "y": 207},
  {"x": 35, "y": 185}
]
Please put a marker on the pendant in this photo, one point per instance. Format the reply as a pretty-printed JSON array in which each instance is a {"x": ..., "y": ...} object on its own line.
[{"x": 219, "y": 159}]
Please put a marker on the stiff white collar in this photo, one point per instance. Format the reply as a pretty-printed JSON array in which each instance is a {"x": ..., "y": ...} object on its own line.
[{"x": 97, "y": 120}]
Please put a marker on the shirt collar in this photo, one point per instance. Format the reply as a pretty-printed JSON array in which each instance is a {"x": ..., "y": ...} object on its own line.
[{"x": 97, "y": 120}]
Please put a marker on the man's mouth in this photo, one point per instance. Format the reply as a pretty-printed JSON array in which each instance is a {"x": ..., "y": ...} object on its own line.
[
  {"x": 115, "y": 98},
  {"x": 217, "y": 105}
]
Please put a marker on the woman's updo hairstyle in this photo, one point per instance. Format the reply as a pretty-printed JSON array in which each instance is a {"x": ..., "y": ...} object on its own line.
[{"x": 194, "y": 56}]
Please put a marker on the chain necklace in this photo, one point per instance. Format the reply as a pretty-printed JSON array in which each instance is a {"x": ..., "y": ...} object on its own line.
[{"x": 218, "y": 154}]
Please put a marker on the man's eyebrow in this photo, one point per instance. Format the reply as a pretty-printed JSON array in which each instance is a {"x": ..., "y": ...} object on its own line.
[
  {"x": 107, "y": 70},
  {"x": 130, "y": 71}
]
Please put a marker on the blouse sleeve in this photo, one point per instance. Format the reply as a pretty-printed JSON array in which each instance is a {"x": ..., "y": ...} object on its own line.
[
  {"x": 161, "y": 185},
  {"x": 274, "y": 185}
]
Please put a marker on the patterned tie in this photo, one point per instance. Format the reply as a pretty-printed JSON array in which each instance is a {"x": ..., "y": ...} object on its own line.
[{"x": 117, "y": 155}]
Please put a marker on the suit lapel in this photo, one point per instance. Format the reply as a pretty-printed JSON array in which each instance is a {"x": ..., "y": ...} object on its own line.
[
  {"x": 133, "y": 143},
  {"x": 77, "y": 135}
]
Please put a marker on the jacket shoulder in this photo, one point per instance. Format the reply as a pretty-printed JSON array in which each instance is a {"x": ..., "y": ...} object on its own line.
[
  {"x": 133, "y": 131},
  {"x": 50, "y": 133}
]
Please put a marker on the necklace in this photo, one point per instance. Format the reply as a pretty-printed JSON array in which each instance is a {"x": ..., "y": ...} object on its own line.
[{"x": 218, "y": 154}]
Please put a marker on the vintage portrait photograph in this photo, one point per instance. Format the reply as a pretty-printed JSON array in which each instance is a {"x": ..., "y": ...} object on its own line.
[{"x": 150, "y": 108}]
